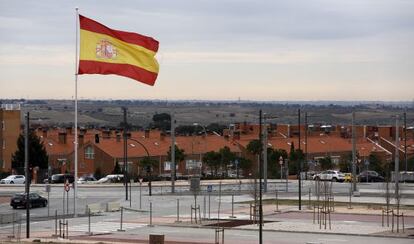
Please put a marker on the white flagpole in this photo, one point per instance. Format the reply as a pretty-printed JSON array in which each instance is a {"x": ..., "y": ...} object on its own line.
[{"x": 75, "y": 188}]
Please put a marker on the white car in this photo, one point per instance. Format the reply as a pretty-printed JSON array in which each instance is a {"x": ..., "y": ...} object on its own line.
[
  {"x": 111, "y": 179},
  {"x": 330, "y": 175},
  {"x": 13, "y": 179}
]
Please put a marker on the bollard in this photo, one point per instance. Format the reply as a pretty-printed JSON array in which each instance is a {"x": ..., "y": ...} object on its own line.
[
  {"x": 232, "y": 207},
  {"x": 209, "y": 217},
  {"x": 55, "y": 222},
  {"x": 178, "y": 211},
  {"x": 204, "y": 208},
  {"x": 60, "y": 228},
  {"x": 122, "y": 219},
  {"x": 67, "y": 229},
  {"x": 140, "y": 193},
  {"x": 350, "y": 199},
  {"x": 150, "y": 225},
  {"x": 89, "y": 222},
  {"x": 277, "y": 201},
  {"x": 309, "y": 200}
]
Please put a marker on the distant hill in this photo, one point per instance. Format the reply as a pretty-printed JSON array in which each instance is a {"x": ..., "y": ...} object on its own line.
[{"x": 98, "y": 113}]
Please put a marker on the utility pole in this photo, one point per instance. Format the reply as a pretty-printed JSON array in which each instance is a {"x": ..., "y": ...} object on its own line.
[
  {"x": 405, "y": 142},
  {"x": 172, "y": 153},
  {"x": 260, "y": 180},
  {"x": 299, "y": 165},
  {"x": 264, "y": 153},
  {"x": 354, "y": 185},
  {"x": 125, "y": 153},
  {"x": 397, "y": 161},
  {"x": 26, "y": 172},
  {"x": 306, "y": 137}
]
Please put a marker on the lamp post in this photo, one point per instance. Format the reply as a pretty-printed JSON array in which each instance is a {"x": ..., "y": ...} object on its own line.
[
  {"x": 264, "y": 136},
  {"x": 205, "y": 144},
  {"x": 148, "y": 155}
]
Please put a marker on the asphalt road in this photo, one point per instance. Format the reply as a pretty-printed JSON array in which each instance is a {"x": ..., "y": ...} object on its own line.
[{"x": 103, "y": 194}]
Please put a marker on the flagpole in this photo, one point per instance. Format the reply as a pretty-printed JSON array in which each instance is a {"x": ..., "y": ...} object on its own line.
[{"x": 75, "y": 188}]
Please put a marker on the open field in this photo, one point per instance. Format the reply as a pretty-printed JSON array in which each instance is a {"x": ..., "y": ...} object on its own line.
[{"x": 109, "y": 113}]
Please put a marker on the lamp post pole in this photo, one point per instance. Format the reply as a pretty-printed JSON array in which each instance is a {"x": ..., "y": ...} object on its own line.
[
  {"x": 260, "y": 180},
  {"x": 172, "y": 153},
  {"x": 354, "y": 159},
  {"x": 205, "y": 143},
  {"x": 125, "y": 154},
  {"x": 300, "y": 165},
  {"x": 26, "y": 171}
]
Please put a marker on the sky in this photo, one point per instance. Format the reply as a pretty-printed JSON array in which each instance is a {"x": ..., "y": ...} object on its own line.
[{"x": 299, "y": 50}]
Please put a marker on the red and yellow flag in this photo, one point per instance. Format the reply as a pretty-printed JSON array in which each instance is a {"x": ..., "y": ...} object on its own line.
[{"x": 107, "y": 51}]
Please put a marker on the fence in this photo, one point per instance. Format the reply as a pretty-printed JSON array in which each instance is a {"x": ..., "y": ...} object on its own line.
[{"x": 10, "y": 226}]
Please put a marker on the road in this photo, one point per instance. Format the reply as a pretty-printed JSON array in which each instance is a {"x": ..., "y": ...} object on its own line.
[{"x": 164, "y": 206}]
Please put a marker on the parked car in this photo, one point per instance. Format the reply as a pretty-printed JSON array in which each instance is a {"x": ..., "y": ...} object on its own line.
[
  {"x": 86, "y": 179},
  {"x": 19, "y": 200},
  {"x": 13, "y": 179},
  {"x": 370, "y": 176},
  {"x": 348, "y": 177},
  {"x": 330, "y": 175},
  {"x": 60, "y": 178},
  {"x": 117, "y": 178}
]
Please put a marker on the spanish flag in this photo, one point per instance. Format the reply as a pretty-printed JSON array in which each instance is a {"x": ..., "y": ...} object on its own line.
[{"x": 107, "y": 51}]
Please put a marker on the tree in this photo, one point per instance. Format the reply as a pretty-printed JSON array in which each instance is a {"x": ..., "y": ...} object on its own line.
[
  {"x": 212, "y": 159},
  {"x": 161, "y": 121},
  {"x": 245, "y": 164},
  {"x": 98, "y": 173},
  {"x": 179, "y": 154},
  {"x": 254, "y": 147},
  {"x": 37, "y": 153},
  {"x": 273, "y": 165},
  {"x": 325, "y": 163},
  {"x": 117, "y": 169},
  {"x": 227, "y": 157},
  {"x": 296, "y": 157},
  {"x": 376, "y": 164},
  {"x": 147, "y": 164},
  {"x": 410, "y": 164}
]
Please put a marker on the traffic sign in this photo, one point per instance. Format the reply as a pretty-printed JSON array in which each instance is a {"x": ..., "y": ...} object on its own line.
[
  {"x": 67, "y": 186},
  {"x": 140, "y": 180},
  {"x": 47, "y": 189},
  {"x": 209, "y": 188}
]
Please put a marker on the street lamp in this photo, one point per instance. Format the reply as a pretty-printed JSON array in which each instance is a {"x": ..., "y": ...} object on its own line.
[
  {"x": 265, "y": 117},
  {"x": 205, "y": 144},
  {"x": 148, "y": 155}
]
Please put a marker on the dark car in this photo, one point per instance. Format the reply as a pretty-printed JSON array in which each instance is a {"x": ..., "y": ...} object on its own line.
[
  {"x": 60, "y": 178},
  {"x": 370, "y": 176},
  {"x": 19, "y": 200}
]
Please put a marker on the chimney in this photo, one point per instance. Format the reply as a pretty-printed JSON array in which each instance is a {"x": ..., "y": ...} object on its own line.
[
  {"x": 80, "y": 140},
  {"x": 106, "y": 134},
  {"x": 288, "y": 130},
  {"x": 236, "y": 135},
  {"x": 118, "y": 137},
  {"x": 62, "y": 137},
  {"x": 147, "y": 133},
  {"x": 69, "y": 130},
  {"x": 83, "y": 131},
  {"x": 365, "y": 131}
]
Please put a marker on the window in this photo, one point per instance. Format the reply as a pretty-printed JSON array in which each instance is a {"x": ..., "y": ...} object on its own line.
[
  {"x": 4, "y": 144},
  {"x": 89, "y": 153},
  {"x": 3, "y": 125}
]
